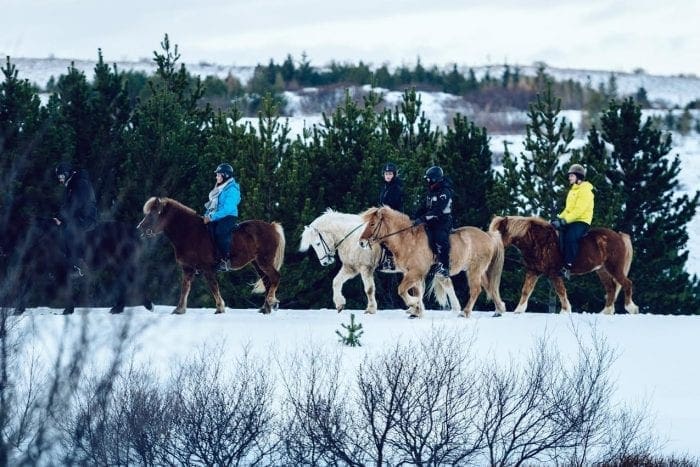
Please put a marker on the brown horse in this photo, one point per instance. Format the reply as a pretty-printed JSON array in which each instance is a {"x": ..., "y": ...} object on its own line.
[
  {"x": 602, "y": 250},
  {"x": 254, "y": 241},
  {"x": 478, "y": 253}
]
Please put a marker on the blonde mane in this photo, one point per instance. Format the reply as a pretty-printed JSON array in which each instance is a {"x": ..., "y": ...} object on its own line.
[{"x": 517, "y": 226}]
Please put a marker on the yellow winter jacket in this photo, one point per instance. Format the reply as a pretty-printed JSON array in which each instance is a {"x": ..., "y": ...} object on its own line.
[{"x": 579, "y": 204}]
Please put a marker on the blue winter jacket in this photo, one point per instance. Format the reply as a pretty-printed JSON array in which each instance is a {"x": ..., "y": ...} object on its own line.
[{"x": 228, "y": 202}]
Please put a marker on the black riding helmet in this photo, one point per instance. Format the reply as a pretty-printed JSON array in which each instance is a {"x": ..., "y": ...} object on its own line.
[
  {"x": 224, "y": 169},
  {"x": 434, "y": 175},
  {"x": 389, "y": 167},
  {"x": 63, "y": 168}
]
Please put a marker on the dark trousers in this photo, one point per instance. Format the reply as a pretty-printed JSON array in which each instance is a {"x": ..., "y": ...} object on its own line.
[
  {"x": 72, "y": 243},
  {"x": 221, "y": 233},
  {"x": 572, "y": 236},
  {"x": 438, "y": 231}
]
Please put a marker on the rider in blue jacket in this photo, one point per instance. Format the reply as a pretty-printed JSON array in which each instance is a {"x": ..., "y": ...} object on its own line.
[{"x": 221, "y": 213}]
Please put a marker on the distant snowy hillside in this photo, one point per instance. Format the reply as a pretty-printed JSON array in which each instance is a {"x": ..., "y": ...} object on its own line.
[{"x": 669, "y": 90}]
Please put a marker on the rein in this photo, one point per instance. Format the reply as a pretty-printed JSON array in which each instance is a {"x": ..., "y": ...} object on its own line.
[{"x": 374, "y": 238}]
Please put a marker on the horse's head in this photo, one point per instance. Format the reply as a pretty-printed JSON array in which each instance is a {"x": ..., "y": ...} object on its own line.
[
  {"x": 375, "y": 226},
  {"x": 154, "y": 221},
  {"x": 312, "y": 237}
]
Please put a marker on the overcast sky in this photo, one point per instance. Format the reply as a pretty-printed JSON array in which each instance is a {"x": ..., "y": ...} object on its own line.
[{"x": 617, "y": 35}]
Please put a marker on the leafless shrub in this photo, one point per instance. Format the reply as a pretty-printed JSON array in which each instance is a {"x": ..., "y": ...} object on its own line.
[
  {"x": 36, "y": 397},
  {"x": 130, "y": 424},
  {"x": 551, "y": 411},
  {"x": 317, "y": 424},
  {"x": 221, "y": 419},
  {"x": 434, "y": 422}
]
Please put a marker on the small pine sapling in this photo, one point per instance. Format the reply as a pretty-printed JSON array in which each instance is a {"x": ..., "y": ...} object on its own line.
[{"x": 354, "y": 332}]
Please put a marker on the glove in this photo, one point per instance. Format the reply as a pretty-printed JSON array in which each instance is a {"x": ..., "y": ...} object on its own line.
[
  {"x": 418, "y": 221},
  {"x": 558, "y": 223}
]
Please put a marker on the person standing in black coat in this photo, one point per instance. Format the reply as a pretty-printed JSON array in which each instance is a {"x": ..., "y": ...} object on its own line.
[
  {"x": 436, "y": 214},
  {"x": 390, "y": 194},
  {"x": 77, "y": 215}
]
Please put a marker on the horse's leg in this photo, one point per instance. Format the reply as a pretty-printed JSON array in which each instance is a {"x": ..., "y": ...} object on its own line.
[
  {"x": 345, "y": 274},
  {"x": 611, "y": 289},
  {"x": 497, "y": 300},
  {"x": 187, "y": 276},
  {"x": 368, "y": 281},
  {"x": 413, "y": 303},
  {"x": 210, "y": 277},
  {"x": 451, "y": 294},
  {"x": 560, "y": 290},
  {"x": 474, "y": 281},
  {"x": 622, "y": 281},
  {"x": 528, "y": 287},
  {"x": 271, "y": 279}
]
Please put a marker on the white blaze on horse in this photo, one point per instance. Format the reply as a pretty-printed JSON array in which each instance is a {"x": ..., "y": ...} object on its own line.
[
  {"x": 338, "y": 232},
  {"x": 478, "y": 253}
]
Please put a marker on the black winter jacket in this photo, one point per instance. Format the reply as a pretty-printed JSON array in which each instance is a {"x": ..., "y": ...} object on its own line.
[
  {"x": 438, "y": 203},
  {"x": 79, "y": 208},
  {"x": 391, "y": 194}
]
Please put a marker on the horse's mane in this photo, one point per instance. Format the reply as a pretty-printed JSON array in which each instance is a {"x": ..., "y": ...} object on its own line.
[
  {"x": 169, "y": 202},
  {"x": 335, "y": 217},
  {"x": 517, "y": 226}
]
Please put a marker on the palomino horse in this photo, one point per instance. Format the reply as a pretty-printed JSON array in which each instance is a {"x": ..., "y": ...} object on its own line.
[
  {"x": 602, "y": 250},
  {"x": 254, "y": 241},
  {"x": 478, "y": 253},
  {"x": 335, "y": 231}
]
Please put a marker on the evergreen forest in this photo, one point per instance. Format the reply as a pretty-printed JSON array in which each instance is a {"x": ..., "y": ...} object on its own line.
[{"x": 163, "y": 135}]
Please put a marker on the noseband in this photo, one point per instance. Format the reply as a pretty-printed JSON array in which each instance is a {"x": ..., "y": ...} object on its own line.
[{"x": 327, "y": 250}]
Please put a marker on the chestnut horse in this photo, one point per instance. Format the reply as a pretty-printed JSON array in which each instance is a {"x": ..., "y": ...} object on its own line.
[
  {"x": 478, "y": 253},
  {"x": 602, "y": 250},
  {"x": 254, "y": 241}
]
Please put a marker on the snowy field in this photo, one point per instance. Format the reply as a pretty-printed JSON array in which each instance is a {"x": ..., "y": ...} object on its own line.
[{"x": 655, "y": 368}]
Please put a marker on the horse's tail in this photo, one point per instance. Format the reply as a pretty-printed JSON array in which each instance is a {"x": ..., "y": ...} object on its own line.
[
  {"x": 278, "y": 260},
  {"x": 493, "y": 273},
  {"x": 438, "y": 290},
  {"x": 629, "y": 252}
]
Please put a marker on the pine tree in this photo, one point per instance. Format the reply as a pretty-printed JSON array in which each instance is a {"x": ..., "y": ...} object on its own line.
[
  {"x": 354, "y": 332},
  {"x": 533, "y": 184},
  {"x": 643, "y": 180}
]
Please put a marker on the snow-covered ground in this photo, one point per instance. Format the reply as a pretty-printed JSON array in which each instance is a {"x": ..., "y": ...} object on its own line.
[{"x": 655, "y": 369}]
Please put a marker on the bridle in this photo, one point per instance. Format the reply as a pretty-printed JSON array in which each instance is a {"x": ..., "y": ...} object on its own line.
[
  {"x": 329, "y": 251},
  {"x": 374, "y": 238}
]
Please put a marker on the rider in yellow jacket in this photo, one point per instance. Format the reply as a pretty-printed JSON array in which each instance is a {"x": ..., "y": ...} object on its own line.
[{"x": 575, "y": 220}]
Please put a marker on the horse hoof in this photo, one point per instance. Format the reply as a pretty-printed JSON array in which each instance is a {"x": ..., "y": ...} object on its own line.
[
  {"x": 497, "y": 314},
  {"x": 115, "y": 310},
  {"x": 276, "y": 306},
  {"x": 148, "y": 305},
  {"x": 69, "y": 310},
  {"x": 178, "y": 311},
  {"x": 218, "y": 312}
]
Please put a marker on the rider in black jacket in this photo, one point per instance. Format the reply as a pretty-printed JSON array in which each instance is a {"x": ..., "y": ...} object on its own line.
[
  {"x": 77, "y": 215},
  {"x": 391, "y": 194},
  {"x": 436, "y": 214}
]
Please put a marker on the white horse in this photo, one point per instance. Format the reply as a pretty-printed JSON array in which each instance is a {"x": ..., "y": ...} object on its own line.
[{"x": 334, "y": 232}]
